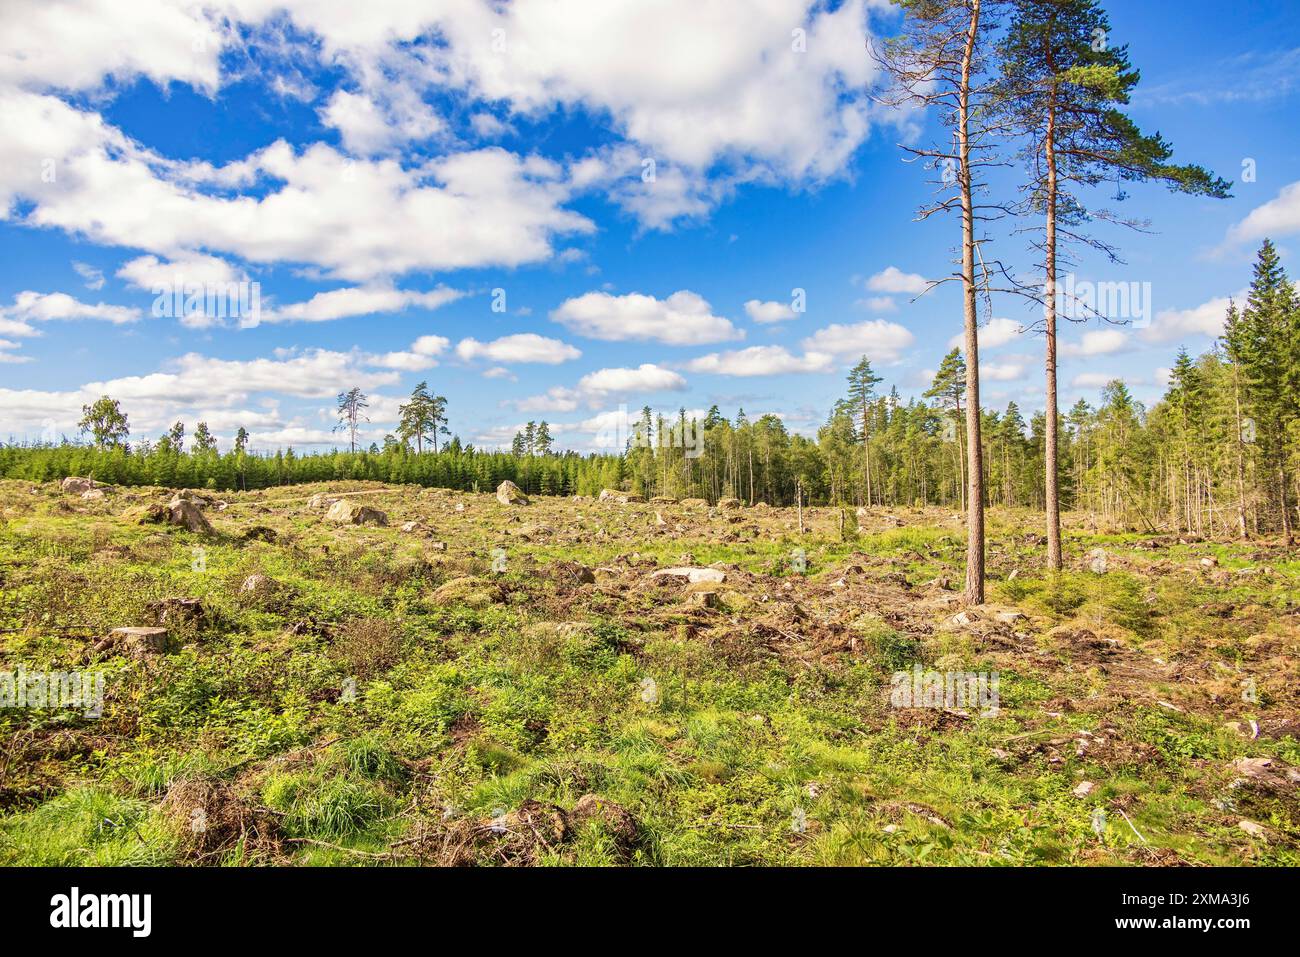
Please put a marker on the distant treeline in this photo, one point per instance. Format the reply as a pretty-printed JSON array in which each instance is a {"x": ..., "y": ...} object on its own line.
[
  {"x": 453, "y": 467},
  {"x": 1218, "y": 454}
]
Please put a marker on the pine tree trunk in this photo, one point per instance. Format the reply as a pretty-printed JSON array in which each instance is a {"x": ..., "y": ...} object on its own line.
[
  {"x": 1051, "y": 486},
  {"x": 975, "y": 498},
  {"x": 1241, "y": 468},
  {"x": 1286, "y": 508},
  {"x": 961, "y": 465}
]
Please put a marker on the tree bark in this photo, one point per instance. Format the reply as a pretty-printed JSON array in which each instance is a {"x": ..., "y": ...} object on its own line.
[
  {"x": 974, "y": 594},
  {"x": 1051, "y": 440}
]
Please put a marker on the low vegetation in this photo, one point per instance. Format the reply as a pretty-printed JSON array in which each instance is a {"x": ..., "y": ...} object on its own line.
[{"x": 476, "y": 683}]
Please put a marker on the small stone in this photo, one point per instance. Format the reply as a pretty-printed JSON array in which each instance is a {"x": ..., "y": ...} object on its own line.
[
  {"x": 693, "y": 575},
  {"x": 1083, "y": 789},
  {"x": 1253, "y": 829}
]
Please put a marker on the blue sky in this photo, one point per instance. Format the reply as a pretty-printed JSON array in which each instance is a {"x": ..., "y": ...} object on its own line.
[{"x": 462, "y": 193}]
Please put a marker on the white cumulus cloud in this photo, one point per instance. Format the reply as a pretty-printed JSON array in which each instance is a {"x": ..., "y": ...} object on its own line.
[
  {"x": 522, "y": 347},
  {"x": 683, "y": 319}
]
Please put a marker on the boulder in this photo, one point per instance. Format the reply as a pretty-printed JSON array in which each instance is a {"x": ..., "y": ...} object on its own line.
[
  {"x": 695, "y": 503},
  {"x": 187, "y": 515},
  {"x": 508, "y": 493},
  {"x": 620, "y": 498},
  {"x": 693, "y": 575},
  {"x": 354, "y": 513},
  {"x": 322, "y": 500},
  {"x": 148, "y": 514},
  {"x": 78, "y": 485},
  {"x": 663, "y": 500},
  {"x": 1097, "y": 561},
  {"x": 729, "y": 503},
  {"x": 93, "y": 494},
  {"x": 200, "y": 499}
]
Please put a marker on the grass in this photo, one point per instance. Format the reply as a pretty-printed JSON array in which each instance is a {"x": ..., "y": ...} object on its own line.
[{"x": 387, "y": 699}]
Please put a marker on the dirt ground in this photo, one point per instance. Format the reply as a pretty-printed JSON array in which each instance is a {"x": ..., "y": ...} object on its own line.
[{"x": 582, "y": 682}]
